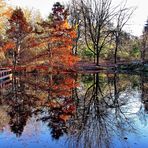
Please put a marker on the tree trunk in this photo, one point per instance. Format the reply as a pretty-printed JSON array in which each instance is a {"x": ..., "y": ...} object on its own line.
[
  {"x": 143, "y": 54},
  {"x": 14, "y": 61},
  {"x": 50, "y": 69},
  {"x": 98, "y": 58},
  {"x": 94, "y": 58},
  {"x": 116, "y": 49},
  {"x": 115, "y": 55}
]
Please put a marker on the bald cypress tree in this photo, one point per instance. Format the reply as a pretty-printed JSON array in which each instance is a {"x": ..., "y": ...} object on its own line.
[{"x": 18, "y": 30}]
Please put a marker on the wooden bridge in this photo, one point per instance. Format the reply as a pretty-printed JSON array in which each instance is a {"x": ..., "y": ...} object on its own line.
[
  {"x": 5, "y": 77},
  {"x": 4, "y": 73}
]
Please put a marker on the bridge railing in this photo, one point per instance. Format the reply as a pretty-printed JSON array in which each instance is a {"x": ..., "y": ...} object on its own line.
[{"x": 5, "y": 73}]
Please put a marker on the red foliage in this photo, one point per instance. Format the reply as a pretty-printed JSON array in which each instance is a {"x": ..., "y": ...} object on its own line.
[{"x": 8, "y": 45}]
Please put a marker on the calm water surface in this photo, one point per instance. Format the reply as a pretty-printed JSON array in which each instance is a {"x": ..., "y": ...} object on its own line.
[{"x": 74, "y": 111}]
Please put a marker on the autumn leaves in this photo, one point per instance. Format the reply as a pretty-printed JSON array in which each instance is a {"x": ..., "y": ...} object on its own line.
[{"x": 52, "y": 46}]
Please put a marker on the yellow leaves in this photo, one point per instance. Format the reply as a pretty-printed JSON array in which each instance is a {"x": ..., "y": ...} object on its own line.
[
  {"x": 76, "y": 26},
  {"x": 5, "y": 13},
  {"x": 2, "y": 55},
  {"x": 65, "y": 25}
]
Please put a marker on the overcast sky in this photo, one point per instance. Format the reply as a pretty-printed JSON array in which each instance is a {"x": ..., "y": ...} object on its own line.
[{"x": 135, "y": 25}]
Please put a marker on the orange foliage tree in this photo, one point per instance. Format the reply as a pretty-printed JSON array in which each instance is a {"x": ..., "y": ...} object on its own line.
[
  {"x": 60, "y": 39},
  {"x": 18, "y": 31}
]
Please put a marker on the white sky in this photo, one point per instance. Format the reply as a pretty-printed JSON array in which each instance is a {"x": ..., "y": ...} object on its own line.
[{"x": 135, "y": 25}]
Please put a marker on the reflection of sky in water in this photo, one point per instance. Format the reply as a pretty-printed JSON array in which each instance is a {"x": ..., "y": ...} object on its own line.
[
  {"x": 37, "y": 134},
  {"x": 135, "y": 110},
  {"x": 134, "y": 102}
]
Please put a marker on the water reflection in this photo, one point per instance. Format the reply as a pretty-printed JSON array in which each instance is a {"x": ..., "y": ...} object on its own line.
[
  {"x": 88, "y": 110},
  {"x": 20, "y": 104},
  {"x": 60, "y": 105},
  {"x": 103, "y": 111}
]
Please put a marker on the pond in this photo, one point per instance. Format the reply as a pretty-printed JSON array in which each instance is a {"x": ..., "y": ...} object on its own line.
[{"x": 74, "y": 110}]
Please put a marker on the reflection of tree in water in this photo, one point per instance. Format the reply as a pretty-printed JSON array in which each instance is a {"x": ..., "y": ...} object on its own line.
[
  {"x": 20, "y": 105},
  {"x": 144, "y": 89},
  {"x": 91, "y": 114},
  {"x": 93, "y": 118},
  {"x": 4, "y": 119},
  {"x": 142, "y": 114},
  {"x": 56, "y": 124},
  {"x": 60, "y": 104},
  {"x": 101, "y": 114},
  {"x": 53, "y": 93},
  {"x": 59, "y": 117}
]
